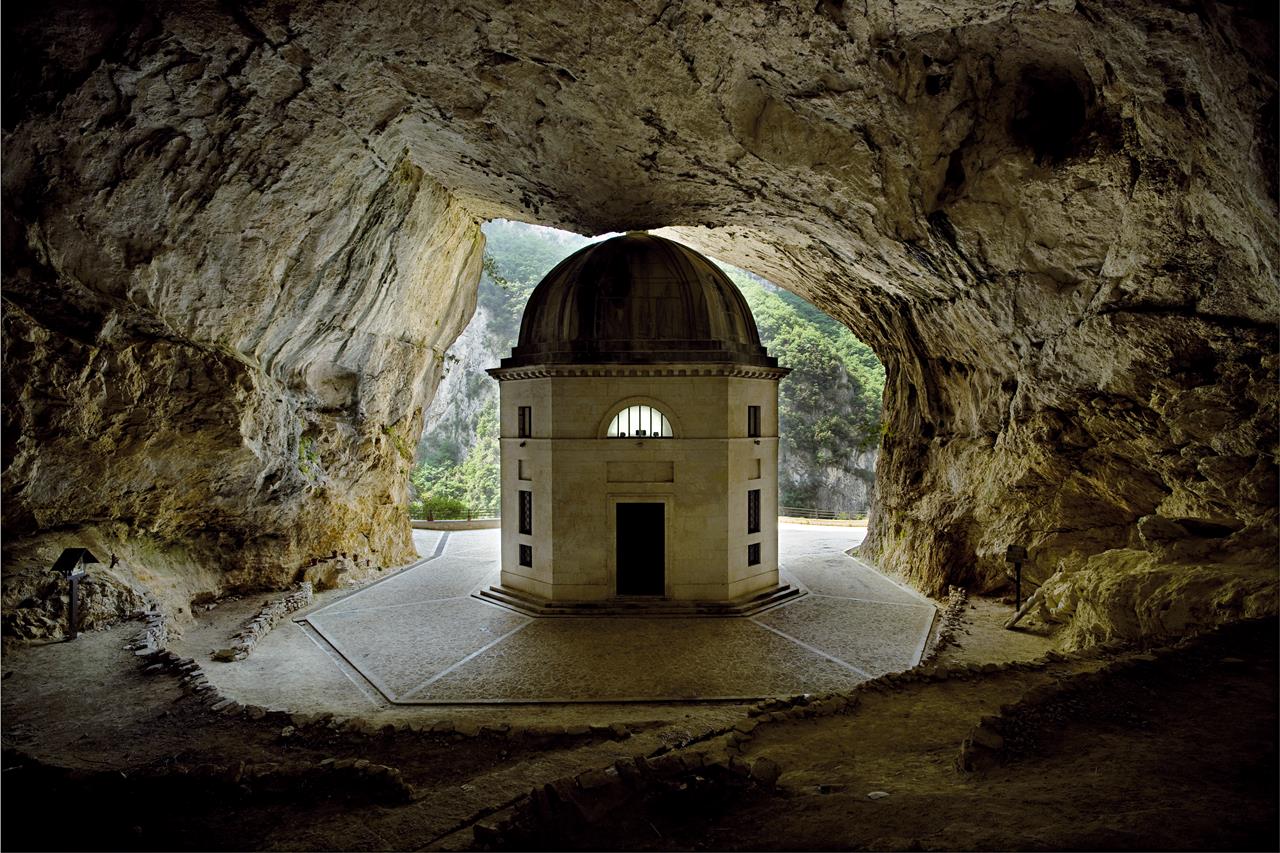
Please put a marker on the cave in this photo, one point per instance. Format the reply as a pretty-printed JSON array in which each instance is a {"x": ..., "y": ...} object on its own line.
[{"x": 239, "y": 239}]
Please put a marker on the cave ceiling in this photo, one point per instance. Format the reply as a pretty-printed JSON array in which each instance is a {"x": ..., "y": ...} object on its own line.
[{"x": 1054, "y": 221}]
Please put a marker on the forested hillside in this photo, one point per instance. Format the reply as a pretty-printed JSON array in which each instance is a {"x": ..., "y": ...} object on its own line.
[{"x": 829, "y": 406}]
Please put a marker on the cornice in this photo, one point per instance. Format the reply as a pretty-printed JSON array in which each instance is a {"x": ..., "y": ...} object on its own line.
[{"x": 606, "y": 371}]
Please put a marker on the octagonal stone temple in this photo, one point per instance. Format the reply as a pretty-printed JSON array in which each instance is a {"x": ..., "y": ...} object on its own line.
[{"x": 639, "y": 418}]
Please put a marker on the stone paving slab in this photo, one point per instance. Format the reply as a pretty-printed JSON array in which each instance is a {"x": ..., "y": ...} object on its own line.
[
  {"x": 477, "y": 544},
  {"x": 419, "y": 639},
  {"x": 425, "y": 541},
  {"x": 399, "y": 648},
  {"x": 620, "y": 660},
  {"x": 873, "y": 636},
  {"x": 834, "y": 578},
  {"x": 289, "y": 667},
  {"x": 431, "y": 582}
]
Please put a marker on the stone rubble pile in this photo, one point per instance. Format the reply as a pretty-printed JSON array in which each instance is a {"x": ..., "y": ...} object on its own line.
[
  {"x": 190, "y": 676},
  {"x": 458, "y": 730},
  {"x": 152, "y": 638},
  {"x": 948, "y": 623},
  {"x": 263, "y": 621}
]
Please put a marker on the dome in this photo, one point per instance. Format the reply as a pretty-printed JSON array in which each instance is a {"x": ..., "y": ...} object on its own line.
[{"x": 637, "y": 299}]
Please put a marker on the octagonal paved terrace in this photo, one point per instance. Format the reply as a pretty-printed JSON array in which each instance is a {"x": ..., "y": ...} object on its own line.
[{"x": 419, "y": 637}]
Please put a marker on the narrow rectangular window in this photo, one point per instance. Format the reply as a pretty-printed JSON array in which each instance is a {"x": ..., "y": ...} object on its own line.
[
  {"x": 753, "y": 554},
  {"x": 753, "y": 421},
  {"x": 526, "y": 556},
  {"x": 753, "y": 511},
  {"x": 526, "y": 512},
  {"x": 526, "y": 421}
]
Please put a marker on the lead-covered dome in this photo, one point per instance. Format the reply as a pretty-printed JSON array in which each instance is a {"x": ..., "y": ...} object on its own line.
[{"x": 640, "y": 299}]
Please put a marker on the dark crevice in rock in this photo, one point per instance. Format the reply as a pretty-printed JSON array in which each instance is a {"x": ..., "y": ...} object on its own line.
[{"x": 1050, "y": 112}]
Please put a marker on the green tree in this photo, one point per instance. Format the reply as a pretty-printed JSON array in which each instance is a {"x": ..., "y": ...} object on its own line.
[
  {"x": 442, "y": 488},
  {"x": 479, "y": 473},
  {"x": 517, "y": 257},
  {"x": 829, "y": 406}
]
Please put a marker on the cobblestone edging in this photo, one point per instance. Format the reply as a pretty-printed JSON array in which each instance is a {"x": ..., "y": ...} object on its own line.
[
  {"x": 271, "y": 614},
  {"x": 154, "y": 635},
  {"x": 948, "y": 623}
]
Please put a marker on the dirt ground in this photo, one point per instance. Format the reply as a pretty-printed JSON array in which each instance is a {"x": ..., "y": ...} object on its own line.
[
  {"x": 1178, "y": 758},
  {"x": 982, "y": 637},
  {"x": 1183, "y": 758}
]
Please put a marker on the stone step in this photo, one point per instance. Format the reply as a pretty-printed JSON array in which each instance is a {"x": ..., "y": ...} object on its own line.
[{"x": 529, "y": 605}]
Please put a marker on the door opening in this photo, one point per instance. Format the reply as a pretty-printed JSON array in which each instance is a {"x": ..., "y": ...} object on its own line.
[{"x": 641, "y": 556}]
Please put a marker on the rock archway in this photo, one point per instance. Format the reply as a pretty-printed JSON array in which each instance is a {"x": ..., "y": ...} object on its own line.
[{"x": 238, "y": 239}]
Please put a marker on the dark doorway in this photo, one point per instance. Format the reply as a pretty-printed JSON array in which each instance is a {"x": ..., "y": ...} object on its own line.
[{"x": 641, "y": 549}]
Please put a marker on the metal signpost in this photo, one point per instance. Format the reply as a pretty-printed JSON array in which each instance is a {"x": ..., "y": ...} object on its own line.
[
  {"x": 1016, "y": 554},
  {"x": 71, "y": 564},
  {"x": 73, "y": 628}
]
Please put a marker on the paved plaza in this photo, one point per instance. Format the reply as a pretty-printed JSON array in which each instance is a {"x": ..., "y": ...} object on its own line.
[{"x": 419, "y": 637}]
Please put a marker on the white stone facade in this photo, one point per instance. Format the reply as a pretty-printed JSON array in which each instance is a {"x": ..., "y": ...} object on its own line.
[{"x": 577, "y": 476}]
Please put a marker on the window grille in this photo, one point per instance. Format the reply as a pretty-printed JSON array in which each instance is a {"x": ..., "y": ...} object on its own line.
[
  {"x": 753, "y": 554},
  {"x": 526, "y": 512},
  {"x": 639, "y": 422},
  {"x": 753, "y": 511},
  {"x": 526, "y": 556},
  {"x": 753, "y": 421},
  {"x": 526, "y": 422}
]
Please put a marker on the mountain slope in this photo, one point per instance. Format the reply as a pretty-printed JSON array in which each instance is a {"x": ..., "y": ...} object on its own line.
[{"x": 829, "y": 407}]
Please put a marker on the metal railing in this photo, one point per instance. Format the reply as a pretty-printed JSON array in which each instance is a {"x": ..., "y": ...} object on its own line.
[
  {"x": 832, "y": 514},
  {"x": 788, "y": 511},
  {"x": 470, "y": 514}
]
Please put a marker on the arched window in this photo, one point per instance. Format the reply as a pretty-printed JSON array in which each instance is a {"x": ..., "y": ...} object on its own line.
[{"x": 639, "y": 422}]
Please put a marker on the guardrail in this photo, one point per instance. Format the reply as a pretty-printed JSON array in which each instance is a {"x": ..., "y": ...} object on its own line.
[
  {"x": 831, "y": 514},
  {"x": 469, "y": 515},
  {"x": 788, "y": 511}
]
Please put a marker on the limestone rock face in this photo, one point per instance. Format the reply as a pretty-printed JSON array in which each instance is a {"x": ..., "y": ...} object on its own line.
[
  {"x": 237, "y": 241},
  {"x": 223, "y": 313},
  {"x": 845, "y": 485},
  {"x": 37, "y": 602}
]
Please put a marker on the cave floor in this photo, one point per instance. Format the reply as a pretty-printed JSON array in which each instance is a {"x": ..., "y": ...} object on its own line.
[
  {"x": 1180, "y": 755},
  {"x": 420, "y": 637},
  {"x": 1177, "y": 753}
]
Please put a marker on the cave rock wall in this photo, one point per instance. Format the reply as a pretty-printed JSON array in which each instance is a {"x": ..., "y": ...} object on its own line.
[
  {"x": 224, "y": 312},
  {"x": 237, "y": 237}
]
